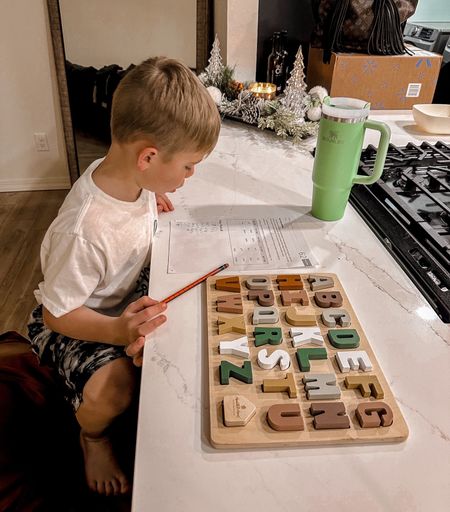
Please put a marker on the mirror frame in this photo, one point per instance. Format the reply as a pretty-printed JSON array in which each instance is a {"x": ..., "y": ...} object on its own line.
[{"x": 204, "y": 38}]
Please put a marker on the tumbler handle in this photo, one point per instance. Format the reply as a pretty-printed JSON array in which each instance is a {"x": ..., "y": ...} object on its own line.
[{"x": 383, "y": 146}]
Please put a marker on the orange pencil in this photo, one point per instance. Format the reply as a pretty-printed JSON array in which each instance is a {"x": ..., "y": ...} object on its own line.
[{"x": 195, "y": 283}]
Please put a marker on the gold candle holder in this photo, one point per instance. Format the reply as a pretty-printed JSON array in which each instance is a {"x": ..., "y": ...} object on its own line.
[{"x": 264, "y": 90}]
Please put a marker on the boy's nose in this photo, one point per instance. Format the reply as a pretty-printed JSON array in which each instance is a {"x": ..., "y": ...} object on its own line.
[{"x": 190, "y": 172}]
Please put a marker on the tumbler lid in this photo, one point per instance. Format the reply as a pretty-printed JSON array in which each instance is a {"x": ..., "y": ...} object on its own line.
[{"x": 345, "y": 110}]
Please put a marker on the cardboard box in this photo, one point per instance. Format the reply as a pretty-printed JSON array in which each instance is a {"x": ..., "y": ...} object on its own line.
[{"x": 387, "y": 82}]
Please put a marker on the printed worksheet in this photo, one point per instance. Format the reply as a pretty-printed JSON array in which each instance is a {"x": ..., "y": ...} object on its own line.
[{"x": 246, "y": 244}]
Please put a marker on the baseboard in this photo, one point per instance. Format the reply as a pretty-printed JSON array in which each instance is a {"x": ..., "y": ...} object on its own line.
[{"x": 27, "y": 184}]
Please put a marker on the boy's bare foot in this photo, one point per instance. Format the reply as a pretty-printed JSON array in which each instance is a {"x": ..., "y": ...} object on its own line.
[{"x": 103, "y": 473}]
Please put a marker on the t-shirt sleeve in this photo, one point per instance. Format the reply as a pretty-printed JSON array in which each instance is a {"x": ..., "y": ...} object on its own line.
[{"x": 72, "y": 268}]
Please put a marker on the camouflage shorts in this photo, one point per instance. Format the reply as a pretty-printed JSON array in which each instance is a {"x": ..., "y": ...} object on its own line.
[{"x": 74, "y": 360}]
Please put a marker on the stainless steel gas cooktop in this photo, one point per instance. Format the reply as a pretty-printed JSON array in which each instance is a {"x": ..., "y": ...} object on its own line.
[{"x": 409, "y": 211}]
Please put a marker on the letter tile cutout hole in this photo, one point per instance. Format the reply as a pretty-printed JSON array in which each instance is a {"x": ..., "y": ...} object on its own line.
[{"x": 333, "y": 390}]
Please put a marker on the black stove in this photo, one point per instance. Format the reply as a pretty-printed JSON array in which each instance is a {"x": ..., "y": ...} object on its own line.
[{"x": 408, "y": 208}]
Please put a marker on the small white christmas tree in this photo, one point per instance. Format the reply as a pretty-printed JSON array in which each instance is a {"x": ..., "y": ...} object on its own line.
[
  {"x": 213, "y": 72},
  {"x": 295, "y": 91}
]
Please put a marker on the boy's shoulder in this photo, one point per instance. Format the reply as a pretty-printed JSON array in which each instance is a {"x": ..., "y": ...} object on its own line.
[
  {"x": 90, "y": 213},
  {"x": 76, "y": 213}
]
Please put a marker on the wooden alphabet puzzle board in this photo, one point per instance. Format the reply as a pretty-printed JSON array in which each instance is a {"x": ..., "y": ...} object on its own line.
[{"x": 290, "y": 365}]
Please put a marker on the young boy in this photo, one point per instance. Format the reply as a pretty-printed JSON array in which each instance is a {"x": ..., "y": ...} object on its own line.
[{"x": 88, "y": 324}]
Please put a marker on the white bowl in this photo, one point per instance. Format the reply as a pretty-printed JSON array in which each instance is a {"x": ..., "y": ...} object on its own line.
[{"x": 433, "y": 118}]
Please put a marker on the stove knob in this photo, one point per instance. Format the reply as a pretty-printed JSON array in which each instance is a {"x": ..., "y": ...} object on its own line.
[{"x": 415, "y": 30}]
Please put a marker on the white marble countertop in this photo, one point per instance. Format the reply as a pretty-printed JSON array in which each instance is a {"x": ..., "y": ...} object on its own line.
[{"x": 177, "y": 469}]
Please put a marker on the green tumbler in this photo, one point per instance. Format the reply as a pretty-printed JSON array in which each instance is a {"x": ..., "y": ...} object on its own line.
[{"x": 338, "y": 152}]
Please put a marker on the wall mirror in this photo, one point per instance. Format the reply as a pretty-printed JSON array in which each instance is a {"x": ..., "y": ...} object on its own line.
[{"x": 95, "y": 43}]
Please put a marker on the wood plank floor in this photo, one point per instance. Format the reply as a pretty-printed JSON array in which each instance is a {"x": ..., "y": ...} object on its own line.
[{"x": 24, "y": 219}]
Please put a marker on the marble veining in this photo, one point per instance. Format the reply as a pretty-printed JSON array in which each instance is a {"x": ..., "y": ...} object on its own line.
[{"x": 177, "y": 469}]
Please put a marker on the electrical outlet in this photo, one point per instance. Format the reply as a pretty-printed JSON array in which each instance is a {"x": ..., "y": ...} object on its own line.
[{"x": 41, "y": 141}]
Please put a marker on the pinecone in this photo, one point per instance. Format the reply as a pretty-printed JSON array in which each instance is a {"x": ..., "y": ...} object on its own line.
[{"x": 234, "y": 87}]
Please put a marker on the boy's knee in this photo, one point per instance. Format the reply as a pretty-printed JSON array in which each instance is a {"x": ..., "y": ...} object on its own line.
[{"x": 112, "y": 387}]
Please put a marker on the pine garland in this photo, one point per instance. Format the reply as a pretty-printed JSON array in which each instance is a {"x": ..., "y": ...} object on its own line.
[
  {"x": 285, "y": 115},
  {"x": 284, "y": 122},
  {"x": 245, "y": 106}
]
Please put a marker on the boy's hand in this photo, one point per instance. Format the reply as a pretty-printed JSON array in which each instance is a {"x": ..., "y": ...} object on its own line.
[
  {"x": 136, "y": 350},
  {"x": 139, "y": 319},
  {"x": 163, "y": 203}
]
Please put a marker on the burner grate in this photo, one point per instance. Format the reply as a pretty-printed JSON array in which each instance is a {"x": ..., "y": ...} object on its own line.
[{"x": 409, "y": 210}]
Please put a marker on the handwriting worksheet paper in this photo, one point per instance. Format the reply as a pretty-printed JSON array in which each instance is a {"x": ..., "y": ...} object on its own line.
[{"x": 246, "y": 244}]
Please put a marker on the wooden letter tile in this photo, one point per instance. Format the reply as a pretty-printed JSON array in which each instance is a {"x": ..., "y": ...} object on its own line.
[
  {"x": 238, "y": 347},
  {"x": 230, "y": 303},
  {"x": 374, "y": 414},
  {"x": 285, "y": 417},
  {"x": 289, "y": 297},
  {"x": 271, "y": 335},
  {"x": 244, "y": 373},
  {"x": 228, "y": 284},
  {"x": 343, "y": 338},
  {"x": 353, "y": 360},
  {"x": 334, "y": 316},
  {"x": 277, "y": 356},
  {"x": 321, "y": 386},
  {"x": 280, "y": 385},
  {"x": 258, "y": 283},
  {"x": 304, "y": 335},
  {"x": 265, "y": 297},
  {"x": 293, "y": 317},
  {"x": 265, "y": 315},
  {"x": 318, "y": 282},
  {"x": 289, "y": 282},
  {"x": 328, "y": 299},
  {"x": 329, "y": 415},
  {"x": 304, "y": 355},
  {"x": 231, "y": 324}
]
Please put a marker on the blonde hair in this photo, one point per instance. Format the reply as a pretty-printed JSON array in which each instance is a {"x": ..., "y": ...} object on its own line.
[{"x": 162, "y": 101}]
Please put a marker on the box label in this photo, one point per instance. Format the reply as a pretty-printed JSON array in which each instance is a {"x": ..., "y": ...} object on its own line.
[{"x": 413, "y": 90}]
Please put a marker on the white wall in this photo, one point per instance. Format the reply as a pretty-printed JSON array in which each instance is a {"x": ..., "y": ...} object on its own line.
[
  {"x": 432, "y": 10},
  {"x": 236, "y": 24},
  {"x": 101, "y": 32},
  {"x": 29, "y": 100}
]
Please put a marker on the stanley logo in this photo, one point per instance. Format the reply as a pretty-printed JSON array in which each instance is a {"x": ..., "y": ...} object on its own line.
[{"x": 332, "y": 137}]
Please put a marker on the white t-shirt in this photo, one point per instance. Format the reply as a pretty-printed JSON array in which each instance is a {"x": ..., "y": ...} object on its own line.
[{"x": 95, "y": 249}]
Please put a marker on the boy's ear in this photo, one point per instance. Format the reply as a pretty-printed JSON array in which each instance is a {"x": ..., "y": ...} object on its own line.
[{"x": 145, "y": 157}]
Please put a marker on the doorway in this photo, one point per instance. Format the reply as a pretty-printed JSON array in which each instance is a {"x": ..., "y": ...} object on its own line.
[{"x": 96, "y": 43}]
